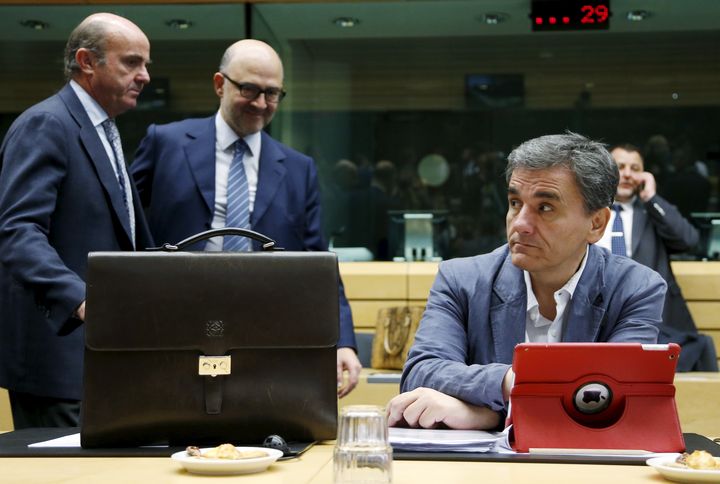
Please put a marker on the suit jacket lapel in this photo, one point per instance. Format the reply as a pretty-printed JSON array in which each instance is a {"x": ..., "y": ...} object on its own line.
[
  {"x": 587, "y": 300},
  {"x": 98, "y": 156},
  {"x": 507, "y": 318},
  {"x": 640, "y": 218},
  {"x": 271, "y": 173},
  {"x": 200, "y": 155}
]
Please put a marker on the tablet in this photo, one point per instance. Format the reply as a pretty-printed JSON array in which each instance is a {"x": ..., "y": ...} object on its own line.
[
  {"x": 595, "y": 396},
  {"x": 624, "y": 362}
]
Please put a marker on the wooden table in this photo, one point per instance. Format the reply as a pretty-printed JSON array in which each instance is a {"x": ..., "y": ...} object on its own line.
[{"x": 314, "y": 467}]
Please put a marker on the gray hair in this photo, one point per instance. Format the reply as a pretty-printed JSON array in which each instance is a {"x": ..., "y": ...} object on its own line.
[
  {"x": 90, "y": 35},
  {"x": 595, "y": 171}
]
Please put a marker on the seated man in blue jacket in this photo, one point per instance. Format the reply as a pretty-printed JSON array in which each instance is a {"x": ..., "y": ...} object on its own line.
[{"x": 549, "y": 283}]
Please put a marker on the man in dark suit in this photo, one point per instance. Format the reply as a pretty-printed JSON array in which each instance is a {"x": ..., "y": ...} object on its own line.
[
  {"x": 650, "y": 229},
  {"x": 220, "y": 171},
  {"x": 65, "y": 191}
]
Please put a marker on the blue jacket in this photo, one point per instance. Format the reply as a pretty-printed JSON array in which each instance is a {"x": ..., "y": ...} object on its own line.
[
  {"x": 59, "y": 200},
  {"x": 476, "y": 313},
  {"x": 174, "y": 169}
]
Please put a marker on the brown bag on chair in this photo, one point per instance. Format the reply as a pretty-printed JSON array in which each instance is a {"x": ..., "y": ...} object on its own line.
[{"x": 394, "y": 335}]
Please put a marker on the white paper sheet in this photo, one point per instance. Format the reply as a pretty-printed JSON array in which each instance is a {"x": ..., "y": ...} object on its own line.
[{"x": 72, "y": 440}]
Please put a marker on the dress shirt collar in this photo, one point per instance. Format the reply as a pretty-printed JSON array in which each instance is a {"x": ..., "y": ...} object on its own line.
[
  {"x": 533, "y": 308},
  {"x": 96, "y": 114},
  {"x": 226, "y": 136},
  {"x": 627, "y": 206}
]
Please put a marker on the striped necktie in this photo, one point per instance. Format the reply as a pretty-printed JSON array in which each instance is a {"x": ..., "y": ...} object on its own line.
[
  {"x": 113, "y": 136},
  {"x": 238, "y": 201},
  {"x": 617, "y": 240}
]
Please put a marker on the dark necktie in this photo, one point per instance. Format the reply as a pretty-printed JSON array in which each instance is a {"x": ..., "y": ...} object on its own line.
[
  {"x": 238, "y": 201},
  {"x": 113, "y": 136},
  {"x": 617, "y": 240}
]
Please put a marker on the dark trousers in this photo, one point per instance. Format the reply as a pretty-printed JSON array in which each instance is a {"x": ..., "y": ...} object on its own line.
[{"x": 35, "y": 411}]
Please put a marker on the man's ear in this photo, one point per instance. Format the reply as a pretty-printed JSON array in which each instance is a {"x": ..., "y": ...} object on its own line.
[
  {"x": 598, "y": 221},
  {"x": 218, "y": 84},
  {"x": 86, "y": 60}
]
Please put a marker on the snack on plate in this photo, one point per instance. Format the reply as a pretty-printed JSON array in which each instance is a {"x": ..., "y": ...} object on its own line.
[
  {"x": 225, "y": 451},
  {"x": 699, "y": 459}
]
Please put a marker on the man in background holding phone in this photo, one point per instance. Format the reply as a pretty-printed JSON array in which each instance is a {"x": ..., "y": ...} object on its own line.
[{"x": 647, "y": 228}]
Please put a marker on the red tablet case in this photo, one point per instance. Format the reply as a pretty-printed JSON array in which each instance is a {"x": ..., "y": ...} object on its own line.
[{"x": 595, "y": 396}]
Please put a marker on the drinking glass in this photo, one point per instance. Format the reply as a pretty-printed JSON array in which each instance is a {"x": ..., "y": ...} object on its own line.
[{"x": 363, "y": 454}]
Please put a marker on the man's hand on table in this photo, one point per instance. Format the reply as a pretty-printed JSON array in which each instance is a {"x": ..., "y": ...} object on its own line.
[{"x": 427, "y": 408}]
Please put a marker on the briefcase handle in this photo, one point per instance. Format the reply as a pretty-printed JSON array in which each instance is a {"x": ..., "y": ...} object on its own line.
[{"x": 266, "y": 242}]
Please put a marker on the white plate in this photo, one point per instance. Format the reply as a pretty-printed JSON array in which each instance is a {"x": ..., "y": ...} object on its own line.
[
  {"x": 199, "y": 465},
  {"x": 681, "y": 474}
]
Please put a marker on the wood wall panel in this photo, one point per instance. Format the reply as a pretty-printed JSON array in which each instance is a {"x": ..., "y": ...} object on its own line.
[
  {"x": 706, "y": 314},
  {"x": 699, "y": 281},
  {"x": 189, "y": 66},
  {"x": 618, "y": 70},
  {"x": 421, "y": 276}
]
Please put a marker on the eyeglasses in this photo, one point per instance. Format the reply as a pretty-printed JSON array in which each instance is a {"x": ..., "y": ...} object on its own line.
[{"x": 252, "y": 91}]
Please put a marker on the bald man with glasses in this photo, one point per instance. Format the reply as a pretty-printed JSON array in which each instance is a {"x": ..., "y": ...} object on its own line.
[{"x": 198, "y": 174}]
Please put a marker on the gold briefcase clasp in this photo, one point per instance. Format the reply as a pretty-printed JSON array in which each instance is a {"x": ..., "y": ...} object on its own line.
[{"x": 214, "y": 365}]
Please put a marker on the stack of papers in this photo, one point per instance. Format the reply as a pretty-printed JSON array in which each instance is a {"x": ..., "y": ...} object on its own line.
[{"x": 432, "y": 440}]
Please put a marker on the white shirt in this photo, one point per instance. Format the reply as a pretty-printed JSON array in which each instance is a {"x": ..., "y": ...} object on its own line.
[
  {"x": 97, "y": 116},
  {"x": 539, "y": 329},
  {"x": 225, "y": 138},
  {"x": 627, "y": 219}
]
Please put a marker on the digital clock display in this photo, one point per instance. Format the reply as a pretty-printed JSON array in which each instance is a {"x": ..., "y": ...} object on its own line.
[{"x": 551, "y": 15}]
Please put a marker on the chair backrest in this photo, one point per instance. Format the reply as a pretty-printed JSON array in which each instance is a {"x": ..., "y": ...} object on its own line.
[{"x": 364, "y": 342}]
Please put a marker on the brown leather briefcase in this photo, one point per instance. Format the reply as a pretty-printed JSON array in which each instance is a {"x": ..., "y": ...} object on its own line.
[{"x": 205, "y": 348}]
